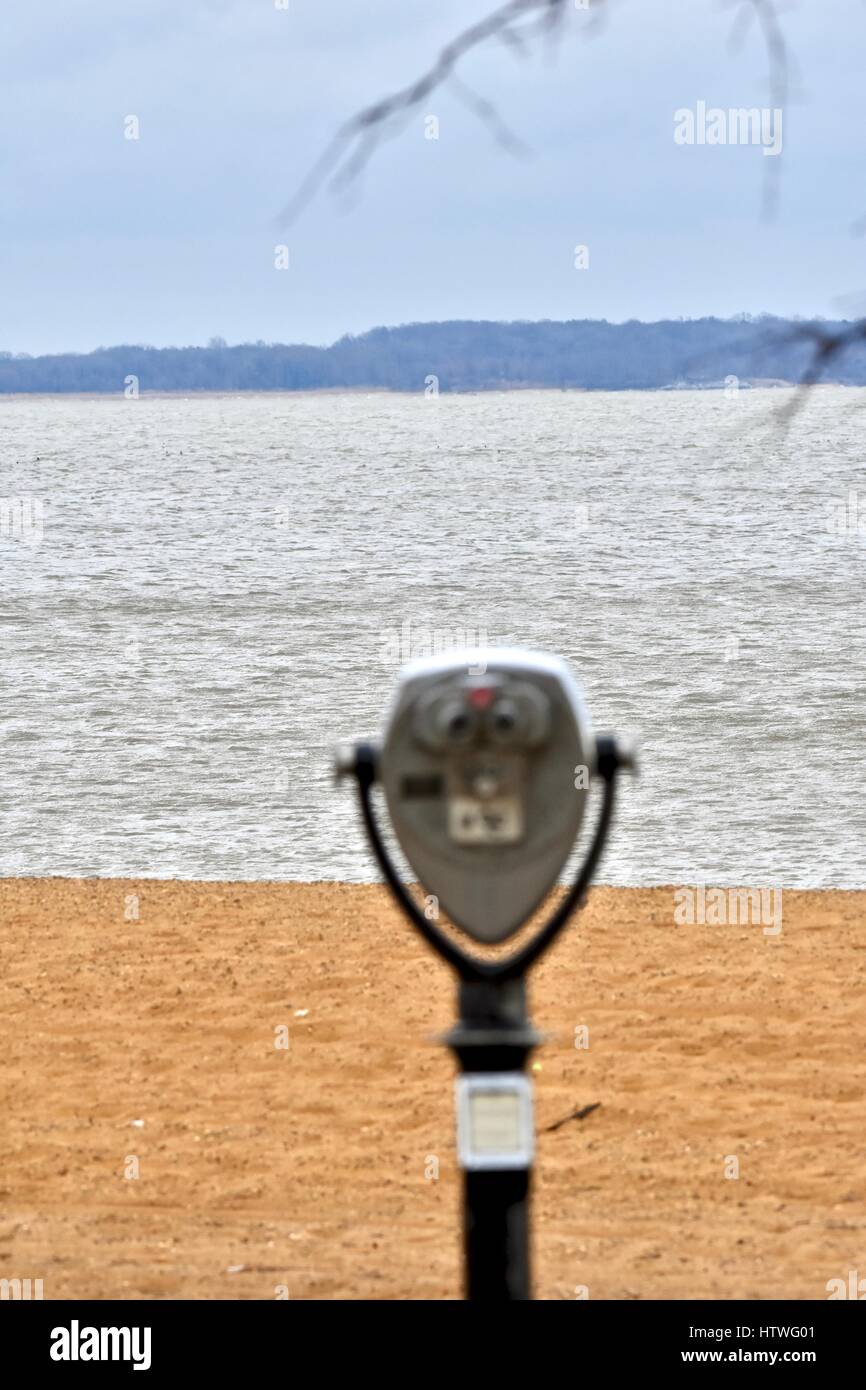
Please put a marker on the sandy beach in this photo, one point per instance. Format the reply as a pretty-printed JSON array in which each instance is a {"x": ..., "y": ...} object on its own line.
[{"x": 157, "y": 1144}]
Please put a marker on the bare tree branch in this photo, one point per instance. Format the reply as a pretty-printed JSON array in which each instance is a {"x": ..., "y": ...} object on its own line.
[
  {"x": 356, "y": 140},
  {"x": 827, "y": 348},
  {"x": 488, "y": 115},
  {"x": 515, "y": 24},
  {"x": 764, "y": 12}
]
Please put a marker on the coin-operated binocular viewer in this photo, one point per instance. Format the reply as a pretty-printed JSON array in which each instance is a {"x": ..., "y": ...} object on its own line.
[{"x": 486, "y": 766}]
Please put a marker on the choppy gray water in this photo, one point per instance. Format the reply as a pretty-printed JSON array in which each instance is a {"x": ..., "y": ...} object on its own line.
[{"x": 226, "y": 585}]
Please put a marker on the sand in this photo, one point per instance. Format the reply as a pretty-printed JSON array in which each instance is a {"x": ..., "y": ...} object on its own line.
[{"x": 147, "y": 1047}]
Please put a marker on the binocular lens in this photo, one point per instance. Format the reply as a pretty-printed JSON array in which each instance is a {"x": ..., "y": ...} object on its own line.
[{"x": 504, "y": 718}]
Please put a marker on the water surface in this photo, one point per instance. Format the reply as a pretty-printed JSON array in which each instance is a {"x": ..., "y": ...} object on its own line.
[{"x": 225, "y": 585}]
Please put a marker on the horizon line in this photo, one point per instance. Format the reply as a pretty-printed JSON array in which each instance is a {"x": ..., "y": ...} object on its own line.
[{"x": 218, "y": 344}]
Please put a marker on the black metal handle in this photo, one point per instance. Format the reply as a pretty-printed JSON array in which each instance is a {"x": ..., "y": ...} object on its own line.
[{"x": 363, "y": 765}]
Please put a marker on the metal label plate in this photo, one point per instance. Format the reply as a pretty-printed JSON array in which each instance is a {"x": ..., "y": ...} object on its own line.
[{"x": 494, "y": 1120}]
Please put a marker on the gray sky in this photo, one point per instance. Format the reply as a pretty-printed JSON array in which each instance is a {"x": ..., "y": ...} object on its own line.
[{"x": 170, "y": 238}]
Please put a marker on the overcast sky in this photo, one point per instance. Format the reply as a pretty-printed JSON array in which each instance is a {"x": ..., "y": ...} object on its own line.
[{"x": 169, "y": 239}]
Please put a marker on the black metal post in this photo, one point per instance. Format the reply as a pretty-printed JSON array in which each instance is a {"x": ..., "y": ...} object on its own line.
[
  {"x": 494, "y": 1036},
  {"x": 496, "y": 1233}
]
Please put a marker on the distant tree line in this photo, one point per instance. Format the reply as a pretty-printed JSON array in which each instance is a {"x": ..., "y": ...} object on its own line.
[{"x": 460, "y": 356}]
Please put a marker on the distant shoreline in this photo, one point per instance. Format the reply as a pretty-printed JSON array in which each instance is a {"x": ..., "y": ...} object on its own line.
[
  {"x": 390, "y": 391},
  {"x": 462, "y": 356}
]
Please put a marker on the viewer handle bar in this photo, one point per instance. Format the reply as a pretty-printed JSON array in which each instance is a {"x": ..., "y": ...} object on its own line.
[{"x": 360, "y": 761}]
